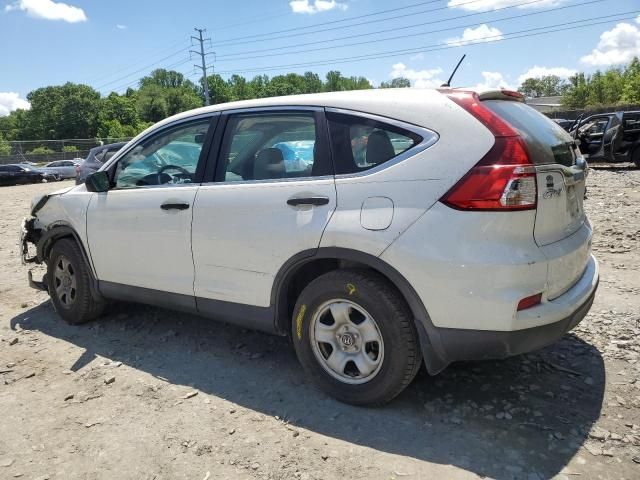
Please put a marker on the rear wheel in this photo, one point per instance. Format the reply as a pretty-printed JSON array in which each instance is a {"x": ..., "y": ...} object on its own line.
[
  {"x": 69, "y": 284},
  {"x": 355, "y": 337}
]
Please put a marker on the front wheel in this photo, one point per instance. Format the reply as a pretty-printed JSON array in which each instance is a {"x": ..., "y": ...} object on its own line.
[
  {"x": 69, "y": 284},
  {"x": 355, "y": 337}
]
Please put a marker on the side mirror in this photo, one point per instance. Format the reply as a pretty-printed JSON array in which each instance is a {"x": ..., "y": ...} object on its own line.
[{"x": 98, "y": 182}]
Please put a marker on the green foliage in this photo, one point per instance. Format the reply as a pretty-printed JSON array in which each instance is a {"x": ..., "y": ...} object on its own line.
[
  {"x": 70, "y": 148},
  {"x": 5, "y": 147},
  {"x": 40, "y": 151},
  {"x": 399, "y": 82},
  {"x": 545, "y": 86},
  {"x": 111, "y": 129},
  {"x": 612, "y": 87}
]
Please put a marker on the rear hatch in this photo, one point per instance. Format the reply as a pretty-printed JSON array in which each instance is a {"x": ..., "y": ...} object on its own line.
[{"x": 560, "y": 176}]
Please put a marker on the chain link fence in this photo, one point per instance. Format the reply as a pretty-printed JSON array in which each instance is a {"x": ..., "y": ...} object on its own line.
[{"x": 45, "y": 151}]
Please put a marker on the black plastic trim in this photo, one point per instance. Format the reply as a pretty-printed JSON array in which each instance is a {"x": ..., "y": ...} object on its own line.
[
  {"x": 463, "y": 344},
  {"x": 128, "y": 293},
  {"x": 249, "y": 316},
  {"x": 62, "y": 230}
]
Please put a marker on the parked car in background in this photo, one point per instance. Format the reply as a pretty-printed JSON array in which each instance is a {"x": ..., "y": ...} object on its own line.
[
  {"x": 370, "y": 247},
  {"x": 62, "y": 168},
  {"x": 610, "y": 137},
  {"x": 16, "y": 174},
  {"x": 564, "y": 123},
  {"x": 95, "y": 159}
]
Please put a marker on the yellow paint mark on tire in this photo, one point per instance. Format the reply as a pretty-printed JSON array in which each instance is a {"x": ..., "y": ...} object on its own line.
[
  {"x": 351, "y": 288},
  {"x": 299, "y": 319}
]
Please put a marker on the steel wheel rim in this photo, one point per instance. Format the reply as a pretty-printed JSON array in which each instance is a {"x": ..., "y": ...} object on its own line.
[
  {"x": 346, "y": 341},
  {"x": 64, "y": 278}
]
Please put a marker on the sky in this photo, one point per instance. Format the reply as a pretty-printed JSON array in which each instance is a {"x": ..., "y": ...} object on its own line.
[{"x": 111, "y": 44}]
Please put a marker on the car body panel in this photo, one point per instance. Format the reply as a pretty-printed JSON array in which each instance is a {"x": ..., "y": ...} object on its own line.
[
  {"x": 458, "y": 270},
  {"x": 153, "y": 245},
  {"x": 244, "y": 232}
]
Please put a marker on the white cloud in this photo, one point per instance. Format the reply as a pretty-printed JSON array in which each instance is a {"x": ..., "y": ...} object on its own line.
[
  {"x": 418, "y": 56},
  {"x": 494, "y": 80},
  {"x": 481, "y": 5},
  {"x": 537, "y": 72},
  {"x": 419, "y": 78},
  {"x": 10, "y": 101},
  {"x": 616, "y": 46},
  {"x": 49, "y": 10},
  {"x": 483, "y": 33},
  {"x": 315, "y": 6},
  {"x": 121, "y": 27}
]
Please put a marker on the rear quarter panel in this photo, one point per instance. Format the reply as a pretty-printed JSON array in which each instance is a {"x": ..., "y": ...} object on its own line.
[{"x": 415, "y": 183}]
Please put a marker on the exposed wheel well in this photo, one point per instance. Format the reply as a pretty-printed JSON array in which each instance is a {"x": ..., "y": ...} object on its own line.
[{"x": 297, "y": 279}]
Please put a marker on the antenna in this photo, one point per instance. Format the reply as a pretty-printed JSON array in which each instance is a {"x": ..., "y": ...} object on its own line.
[{"x": 448, "y": 84}]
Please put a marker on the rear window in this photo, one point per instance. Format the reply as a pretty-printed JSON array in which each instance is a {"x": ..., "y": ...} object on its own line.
[
  {"x": 547, "y": 141},
  {"x": 359, "y": 143}
]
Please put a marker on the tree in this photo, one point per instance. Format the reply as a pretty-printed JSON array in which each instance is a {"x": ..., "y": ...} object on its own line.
[
  {"x": 240, "y": 88},
  {"x": 151, "y": 104},
  {"x": 399, "y": 82},
  {"x": 67, "y": 111},
  {"x": 111, "y": 129},
  {"x": 631, "y": 83},
  {"x": 545, "y": 86},
  {"x": 219, "y": 91},
  {"x": 5, "y": 147}
]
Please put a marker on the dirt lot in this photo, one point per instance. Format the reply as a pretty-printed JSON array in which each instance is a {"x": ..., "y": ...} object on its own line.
[{"x": 149, "y": 394}]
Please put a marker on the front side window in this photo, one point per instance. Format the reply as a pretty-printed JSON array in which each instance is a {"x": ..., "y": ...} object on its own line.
[
  {"x": 360, "y": 143},
  {"x": 170, "y": 157},
  {"x": 268, "y": 146}
]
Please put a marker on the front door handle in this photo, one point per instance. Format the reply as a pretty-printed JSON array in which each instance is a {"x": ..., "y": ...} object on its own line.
[
  {"x": 315, "y": 201},
  {"x": 174, "y": 206}
]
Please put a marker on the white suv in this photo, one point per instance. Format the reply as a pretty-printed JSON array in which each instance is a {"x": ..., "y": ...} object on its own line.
[{"x": 376, "y": 228}]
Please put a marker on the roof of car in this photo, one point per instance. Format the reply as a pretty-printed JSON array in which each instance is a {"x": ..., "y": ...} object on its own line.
[{"x": 381, "y": 101}]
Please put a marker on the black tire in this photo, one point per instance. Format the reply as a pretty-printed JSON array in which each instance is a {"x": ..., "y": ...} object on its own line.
[
  {"x": 372, "y": 292},
  {"x": 77, "y": 305}
]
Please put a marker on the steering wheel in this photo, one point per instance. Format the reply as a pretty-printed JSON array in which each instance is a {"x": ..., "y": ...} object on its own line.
[{"x": 183, "y": 171}]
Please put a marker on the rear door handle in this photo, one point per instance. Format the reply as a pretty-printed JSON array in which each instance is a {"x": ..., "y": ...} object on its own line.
[
  {"x": 315, "y": 201},
  {"x": 174, "y": 206}
]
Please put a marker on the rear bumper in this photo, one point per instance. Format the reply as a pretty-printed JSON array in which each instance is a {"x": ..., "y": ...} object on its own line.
[{"x": 573, "y": 306}]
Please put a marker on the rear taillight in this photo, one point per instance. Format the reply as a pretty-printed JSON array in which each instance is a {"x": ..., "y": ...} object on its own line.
[{"x": 505, "y": 178}]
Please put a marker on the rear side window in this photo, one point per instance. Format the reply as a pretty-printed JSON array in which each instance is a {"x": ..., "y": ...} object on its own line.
[
  {"x": 272, "y": 146},
  {"x": 360, "y": 143},
  {"x": 547, "y": 141}
]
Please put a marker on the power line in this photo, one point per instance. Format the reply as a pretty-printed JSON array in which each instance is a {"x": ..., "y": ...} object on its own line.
[
  {"x": 254, "y": 38},
  {"x": 203, "y": 57},
  {"x": 433, "y": 47},
  {"x": 223, "y": 58},
  {"x": 333, "y": 22},
  {"x": 143, "y": 69}
]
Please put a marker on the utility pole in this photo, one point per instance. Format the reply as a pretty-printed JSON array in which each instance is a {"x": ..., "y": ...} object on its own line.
[{"x": 203, "y": 56}]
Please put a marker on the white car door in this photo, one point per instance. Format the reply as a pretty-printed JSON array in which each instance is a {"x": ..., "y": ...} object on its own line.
[
  {"x": 272, "y": 197},
  {"x": 139, "y": 232}
]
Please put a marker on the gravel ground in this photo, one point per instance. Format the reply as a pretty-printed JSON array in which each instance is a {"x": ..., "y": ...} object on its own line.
[{"x": 150, "y": 394}]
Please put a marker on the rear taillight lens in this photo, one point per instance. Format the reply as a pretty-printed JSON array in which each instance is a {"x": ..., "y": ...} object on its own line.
[{"x": 505, "y": 178}]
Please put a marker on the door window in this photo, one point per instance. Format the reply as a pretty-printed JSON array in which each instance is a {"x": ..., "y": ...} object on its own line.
[
  {"x": 360, "y": 143},
  {"x": 270, "y": 146},
  {"x": 170, "y": 157}
]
